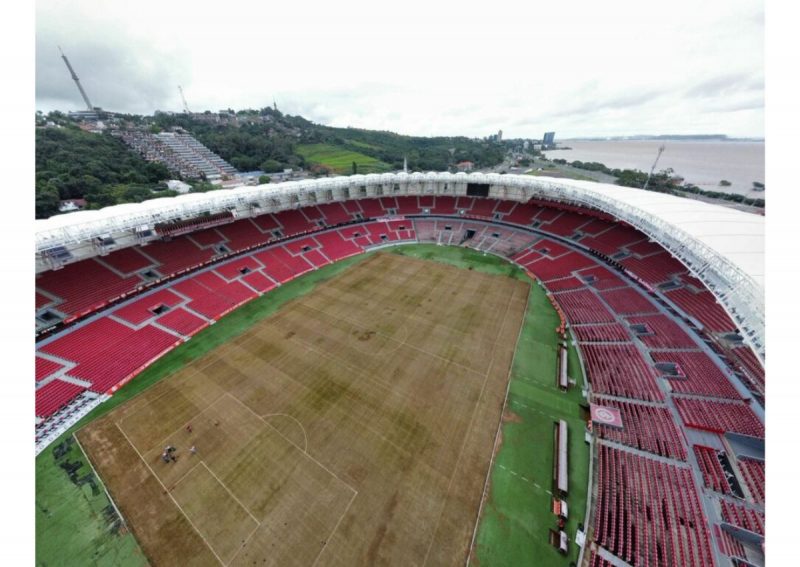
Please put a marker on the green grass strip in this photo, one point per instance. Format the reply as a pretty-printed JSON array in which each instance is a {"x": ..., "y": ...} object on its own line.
[
  {"x": 72, "y": 527},
  {"x": 517, "y": 515}
]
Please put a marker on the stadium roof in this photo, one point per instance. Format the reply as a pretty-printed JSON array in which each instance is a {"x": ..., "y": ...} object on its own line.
[{"x": 734, "y": 234}]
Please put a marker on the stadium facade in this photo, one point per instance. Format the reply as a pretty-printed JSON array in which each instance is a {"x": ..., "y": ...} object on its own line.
[{"x": 722, "y": 247}]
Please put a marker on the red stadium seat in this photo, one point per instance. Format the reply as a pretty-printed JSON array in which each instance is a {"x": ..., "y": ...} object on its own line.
[{"x": 55, "y": 395}]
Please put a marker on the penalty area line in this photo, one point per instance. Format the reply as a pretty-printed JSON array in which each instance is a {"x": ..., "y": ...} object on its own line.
[
  {"x": 168, "y": 493},
  {"x": 336, "y": 527},
  {"x": 292, "y": 443},
  {"x": 228, "y": 490}
]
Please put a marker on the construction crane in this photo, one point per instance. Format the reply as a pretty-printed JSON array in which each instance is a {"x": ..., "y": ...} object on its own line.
[
  {"x": 77, "y": 81},
  {"x": 183, "y": 98},
  {"x": 652, "y": 169}
]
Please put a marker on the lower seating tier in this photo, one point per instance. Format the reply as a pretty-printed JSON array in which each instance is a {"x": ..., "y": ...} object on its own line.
[
  {"x": 84, "y": 343},
  {"x": 182, "y": 321},
  {"x": 644, "y": 427},
  {"x": 700, "y": 375},
  {"x": 719, "y": 417},
  {"x": 620, "y": 370},
  {"x": 123, "y": 359},
  {"x": 45, "y": 368},
  {"x": 608, "y": 332},
  {"x": 648, "y": 512},
  {"x": 753, "y": 472},
  {"x": 53, "y": 396},
  {"x": 713, "y": 473},
  {"x": 742, "y": 517}
]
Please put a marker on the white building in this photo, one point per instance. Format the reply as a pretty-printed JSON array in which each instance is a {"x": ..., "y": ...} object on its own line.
[{"x": 179, "y": 186}]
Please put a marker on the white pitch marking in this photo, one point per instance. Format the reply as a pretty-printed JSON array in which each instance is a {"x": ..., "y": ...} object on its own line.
[
  {"x": 303, "y": 429},
  {"x": 336, "y": 527},
  {"x": 170, "y": 495},
  {"x": 246, "y": 541},
  {"x": 295, "y": 445},
  {"x": 231, "y": 493},
  {"x": 177, "y": 482}
]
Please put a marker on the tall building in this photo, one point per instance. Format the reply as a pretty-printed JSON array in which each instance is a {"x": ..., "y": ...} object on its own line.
[
  {"x": 549, "y": 139},
  {"x": 499, "y": 135}
]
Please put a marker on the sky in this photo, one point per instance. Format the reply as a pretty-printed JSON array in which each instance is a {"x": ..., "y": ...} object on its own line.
[{"x": 579, "y": 68}]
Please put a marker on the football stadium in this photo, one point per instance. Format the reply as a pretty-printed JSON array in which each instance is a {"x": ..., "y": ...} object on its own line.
[{"x": 406, "y": 369}]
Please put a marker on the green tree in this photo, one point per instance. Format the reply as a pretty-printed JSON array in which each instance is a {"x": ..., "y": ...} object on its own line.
[
  {"x": 202, "y": 186},
  {"x": 631, "y": 178},
  {"x": 264, "y": 179},
  {"x": 102, "y": 196},
  {"x": 46, "y": 201},
  {"x": 271, "y": 166},
  {"x": 135, "y": 194},
  {"x": 72, "y": 164},
  {"x": 155, "y": 172}
]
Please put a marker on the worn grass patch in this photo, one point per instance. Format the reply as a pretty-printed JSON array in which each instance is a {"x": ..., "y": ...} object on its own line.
[
  {"x": 68, "y": 524},
  {"x": 72, "y": 529},
  {"x": 393, "y": 388}
]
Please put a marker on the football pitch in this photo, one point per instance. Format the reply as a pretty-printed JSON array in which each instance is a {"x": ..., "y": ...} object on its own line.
[
  {"x": 353, "y": 426},
  {"x": 341, "y": 159}
]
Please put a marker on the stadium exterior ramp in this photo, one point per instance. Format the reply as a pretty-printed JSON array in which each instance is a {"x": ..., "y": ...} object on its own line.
[{"x": 722, "y": 247}]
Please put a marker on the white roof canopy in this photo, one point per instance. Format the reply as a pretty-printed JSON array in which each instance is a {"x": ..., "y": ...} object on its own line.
[{"x": 734, "y": 234}]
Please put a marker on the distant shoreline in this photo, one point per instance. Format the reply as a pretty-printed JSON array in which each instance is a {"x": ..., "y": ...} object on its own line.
[
  {"x": 675, "y": 138},
  {"x": 726, "y": 166}
]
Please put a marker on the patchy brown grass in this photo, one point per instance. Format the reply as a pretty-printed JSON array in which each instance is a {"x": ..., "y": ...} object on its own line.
[{"x": 353, "y": 427}]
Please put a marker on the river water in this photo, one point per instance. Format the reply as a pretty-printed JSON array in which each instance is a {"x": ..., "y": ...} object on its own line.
[{"x": 702, "y": 163}]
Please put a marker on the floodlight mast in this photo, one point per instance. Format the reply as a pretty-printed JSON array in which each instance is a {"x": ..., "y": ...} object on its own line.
[
  {"x": 77, "y": 81},
  {"x": 183, "y": 98},
  {"x": 652, "y": 169}
]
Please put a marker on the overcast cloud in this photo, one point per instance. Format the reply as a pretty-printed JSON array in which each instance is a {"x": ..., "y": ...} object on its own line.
[{"x": 454, "y": 68}]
